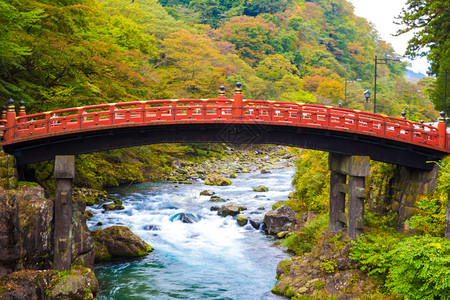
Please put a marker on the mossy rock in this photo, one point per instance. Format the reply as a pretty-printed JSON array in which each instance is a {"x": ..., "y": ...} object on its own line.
[
  {"x": 215, "y": 179},
  {"x": 242, "y": 220},
  {"x": 216, "y": 199},
  {"x": 78, "y": 283},
  {"x": 277, "y": 204},
  {"x": 260, "y": 188},
  {"x": 112, "y": 206},
  {"x": 118, "y": 241},
  {"x": 89, "y": 214}
]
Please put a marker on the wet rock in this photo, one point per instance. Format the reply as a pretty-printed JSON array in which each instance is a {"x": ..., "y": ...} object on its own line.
[
  {"x": 89, "y": 214},
  {"x": 216, "y": 199},
  {"x": 231, "y": 209},
  {"x": 206, "y": 193},
  {"x": 214, "y": 208},
  {"x": 215, "y": 179},
  {"x": 261, "y": 208},
  {"x": 260, "y": 188},
  {"x": 256, "y": 223},
  {"x": 118, "y": 241},
  {"x": 185, "y": 218},
  {"x": 279, "y": 219},
  {"x": 99, "y": 223},
  {"x": 112, "y": 206},
  {"x": 152, "y": 227},
  {"x": 264, "y": 171},
  {"x": 291, "y": 195},
  {"x": 242, "y": 220}
]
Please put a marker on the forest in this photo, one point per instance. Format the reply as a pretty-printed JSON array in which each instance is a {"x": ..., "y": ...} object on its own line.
[
  {"x": 69, "y": 53},
  {"x": 66, "y": 53},
  {"x": 59, "y": 54}
]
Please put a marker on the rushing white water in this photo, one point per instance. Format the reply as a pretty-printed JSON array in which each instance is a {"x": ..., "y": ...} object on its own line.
[{"x": 213, "y": 258}]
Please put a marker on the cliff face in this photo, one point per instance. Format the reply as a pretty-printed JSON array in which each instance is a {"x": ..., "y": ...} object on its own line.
[
  {"x": 26, "y": 242},
  {"x": 397, "y": 188},
  {"x": 25, "y": 229}
]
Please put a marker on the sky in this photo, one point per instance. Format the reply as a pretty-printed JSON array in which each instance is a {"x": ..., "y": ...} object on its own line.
[{"x": 382, "y": 14}]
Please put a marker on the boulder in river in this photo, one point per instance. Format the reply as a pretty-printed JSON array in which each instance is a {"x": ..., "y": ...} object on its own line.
[
  {"x": 215, "y": 179},
  {"x": 256, "y": 223},
  {"x": 152, "y": 227},
  {"x": 206, "y": 193},
  {"x": 216, "y": 199},
  {"x": 214, "y": 208},
  {"x": 279, "y": 220},
  {"x": 242, "y": 220},
  {"x": 185, "y": 218},
  {"x": 118, "y": 241},
  {"x": 231, "y": 209},
  {"x": 260, "y": 188}
]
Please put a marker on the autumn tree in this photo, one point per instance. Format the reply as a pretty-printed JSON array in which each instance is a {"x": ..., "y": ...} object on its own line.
[
  {"x": 254, "y": 37},
  {"x": 274, "y": 67}
]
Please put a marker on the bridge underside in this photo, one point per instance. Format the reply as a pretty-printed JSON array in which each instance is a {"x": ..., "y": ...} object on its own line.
[{"x": 319, "y": 139}]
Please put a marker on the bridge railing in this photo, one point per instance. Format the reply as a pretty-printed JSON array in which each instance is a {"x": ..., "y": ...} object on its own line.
[{"x": 96, "y": 117}]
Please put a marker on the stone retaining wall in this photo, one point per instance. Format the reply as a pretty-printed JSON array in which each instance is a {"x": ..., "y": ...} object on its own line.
[{"x": 411, "y": 184}]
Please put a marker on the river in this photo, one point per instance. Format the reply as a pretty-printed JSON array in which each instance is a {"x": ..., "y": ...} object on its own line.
[{"x": 213, "y": 258}]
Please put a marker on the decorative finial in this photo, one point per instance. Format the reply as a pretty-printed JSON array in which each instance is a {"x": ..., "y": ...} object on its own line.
[
  {"x": 238, "y": 89},
  {"x": 221, "y": 91},
  {"x": 21, "y": 106},
  {"x": 11, "y": 107},
  {"x": 442, "y": 117}
]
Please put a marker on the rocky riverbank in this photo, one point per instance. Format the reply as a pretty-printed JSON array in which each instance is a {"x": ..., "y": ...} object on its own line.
[
  {"x": 26, "y": 244},
  {"x": 237, "y": 160}
]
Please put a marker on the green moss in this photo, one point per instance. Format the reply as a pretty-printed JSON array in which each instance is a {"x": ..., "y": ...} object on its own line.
[
  {"x": 286, "y": 265},
  {"x": 22, "y": 184},
  {"x": 277, "y": 204}
]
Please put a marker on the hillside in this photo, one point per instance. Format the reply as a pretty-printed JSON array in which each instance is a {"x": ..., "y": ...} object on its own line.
[{"x": 59, "y": 54}]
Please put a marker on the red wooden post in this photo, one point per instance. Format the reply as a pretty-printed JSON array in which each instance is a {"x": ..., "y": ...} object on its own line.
[
  {"x": 3, "y": 116},
  {"x": 221, "y": 93},
  {"x": 238, "y": 102},
  {"x": 10, "y": 121},
  {"x": 22, "y": 112},
  {"x": 442, "y": 130}
]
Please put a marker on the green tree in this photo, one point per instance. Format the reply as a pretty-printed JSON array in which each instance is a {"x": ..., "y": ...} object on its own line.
[
  {"x": 430, "y": 22},
  {"x": 14, "y": 24},
  {"x": 274, "y": 67}
]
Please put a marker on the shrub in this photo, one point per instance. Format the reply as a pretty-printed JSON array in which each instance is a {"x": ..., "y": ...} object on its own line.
[
  {"x": 431, "y": 209},
  {"x": 312, "y": 182},
  {"x": 302, "y": 242},
  {"x": 421, "y": 268},
  {"x": 372, "y": 252}
]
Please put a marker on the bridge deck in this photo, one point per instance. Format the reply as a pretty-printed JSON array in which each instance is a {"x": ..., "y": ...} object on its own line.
[{"x": 55, "y": 128}]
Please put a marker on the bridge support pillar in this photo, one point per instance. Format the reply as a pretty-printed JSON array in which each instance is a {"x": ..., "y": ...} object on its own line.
[
  {"x": 356, "y": 168},
  {"x": 64, "y": 174}
]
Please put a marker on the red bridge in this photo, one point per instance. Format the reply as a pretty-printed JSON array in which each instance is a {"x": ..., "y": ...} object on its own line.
[{"x": 41, "y": 136}]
